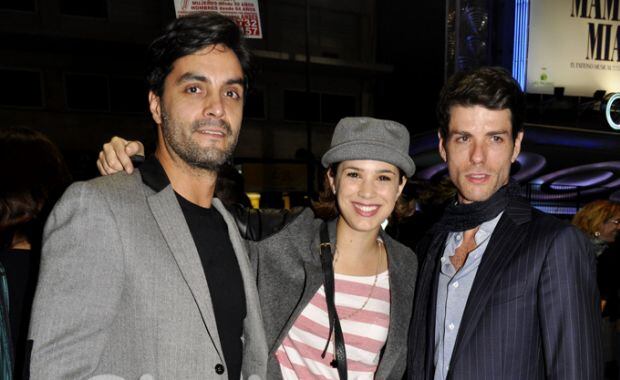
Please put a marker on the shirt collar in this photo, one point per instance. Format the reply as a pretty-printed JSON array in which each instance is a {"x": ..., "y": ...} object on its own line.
[
  {"x": 484, "y": 232},
  {"x": 487, "y": 228},
  {"x": 153, "y": 174}
]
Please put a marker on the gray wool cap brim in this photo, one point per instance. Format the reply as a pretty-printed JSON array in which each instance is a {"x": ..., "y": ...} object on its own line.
[{"x": 365, "y": 138}]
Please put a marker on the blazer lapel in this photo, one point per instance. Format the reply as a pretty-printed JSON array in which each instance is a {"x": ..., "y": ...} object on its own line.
[
  {"x": 313, "y": 280},
  {"x": 255, "y": 346},
  {"x": 505, "y": 241},
  {"x": 169, "y": 216},
  {"x": 312, "y": 265},
  {"x": 401, "y": 288},
  {"x": 240, "y": 248}
]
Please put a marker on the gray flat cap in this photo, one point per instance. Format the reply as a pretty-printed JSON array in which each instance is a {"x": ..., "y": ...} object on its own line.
[{"x": 365, "y": 138}]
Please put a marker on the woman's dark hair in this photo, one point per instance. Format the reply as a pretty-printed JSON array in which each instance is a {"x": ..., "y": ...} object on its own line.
[
  {"x": 490, "y": 87},
  {"x": 327, "y": 208},
  {"x": 34, "y": 176},
  {"x": 189, "y": 34}
]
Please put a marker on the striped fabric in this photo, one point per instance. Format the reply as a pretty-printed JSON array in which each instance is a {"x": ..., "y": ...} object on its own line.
[
  {"x": 365, "y": 332},
  {"x": 532, "y": 313}
]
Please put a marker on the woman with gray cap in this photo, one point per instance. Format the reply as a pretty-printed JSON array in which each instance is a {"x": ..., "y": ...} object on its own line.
[
  {"x": 370, "y": 279},
  {"x": 336, "y": 295}
]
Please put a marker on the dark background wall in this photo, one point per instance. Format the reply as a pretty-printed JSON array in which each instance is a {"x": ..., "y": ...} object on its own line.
[
  {"x": 411, "y": 36},
  {"x": 73, "y": 69}
]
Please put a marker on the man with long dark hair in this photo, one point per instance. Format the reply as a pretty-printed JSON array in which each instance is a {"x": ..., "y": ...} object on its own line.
[
  {"x": 147, "y": 274},
  {"x": 505, "y": 291}
]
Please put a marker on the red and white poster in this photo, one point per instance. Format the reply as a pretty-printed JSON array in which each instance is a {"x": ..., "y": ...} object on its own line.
[{"x": 244, "y": 12}]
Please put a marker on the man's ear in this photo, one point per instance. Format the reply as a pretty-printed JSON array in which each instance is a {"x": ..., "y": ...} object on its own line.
[
  {"x": 155, "y": 107},
  {"x": 517, "y": 147},
  {"x": 442, "y": 149}
]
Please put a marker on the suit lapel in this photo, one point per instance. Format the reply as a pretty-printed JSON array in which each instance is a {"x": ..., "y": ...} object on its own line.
[
  {"x": 421, "y": 344},
  {"x": 169, "y": 216},
  {"x": 429, "y": 358},
  {"x": 505, "y": 241}
]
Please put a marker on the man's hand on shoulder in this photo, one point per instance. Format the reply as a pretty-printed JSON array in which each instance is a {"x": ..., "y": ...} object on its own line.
[{"x": 116, "y": 155}]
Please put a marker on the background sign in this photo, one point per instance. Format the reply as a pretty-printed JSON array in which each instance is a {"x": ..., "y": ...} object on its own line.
[
  {"x": 244, "y": 12},
  {"x": 574, "y": 44}
]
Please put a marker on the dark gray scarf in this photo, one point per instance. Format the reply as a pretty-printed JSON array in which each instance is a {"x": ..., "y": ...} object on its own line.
[{"x": 459, "y": 217}]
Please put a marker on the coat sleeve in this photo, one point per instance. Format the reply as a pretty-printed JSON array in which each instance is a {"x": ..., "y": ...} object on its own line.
[
  {"x": 79, "y": 289},
  {"x": 568, "y": 307}
]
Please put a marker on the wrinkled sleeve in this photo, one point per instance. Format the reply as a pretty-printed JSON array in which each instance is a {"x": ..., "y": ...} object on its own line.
[
  {"x": 569, "y": 312},
  {"x": 79, "y": 288}
]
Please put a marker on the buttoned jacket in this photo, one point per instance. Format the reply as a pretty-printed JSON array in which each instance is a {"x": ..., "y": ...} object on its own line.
[{"x": 122, "y": 290}]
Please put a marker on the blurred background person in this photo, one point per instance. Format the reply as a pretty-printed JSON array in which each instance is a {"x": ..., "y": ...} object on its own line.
[
  {"x": 600, "y": 220},
  {"x": 34, "y": 176},
  {"x": 429, "y": 200}
]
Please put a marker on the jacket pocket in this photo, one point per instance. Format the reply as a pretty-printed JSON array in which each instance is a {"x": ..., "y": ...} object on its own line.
[{"x": 506, "y": 292}]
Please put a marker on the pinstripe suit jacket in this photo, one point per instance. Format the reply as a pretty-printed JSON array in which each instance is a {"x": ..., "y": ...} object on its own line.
[{"x": 533, "y": 308}]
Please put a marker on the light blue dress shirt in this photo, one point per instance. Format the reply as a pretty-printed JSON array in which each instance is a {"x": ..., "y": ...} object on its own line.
[{"x": 453, "y": 290}]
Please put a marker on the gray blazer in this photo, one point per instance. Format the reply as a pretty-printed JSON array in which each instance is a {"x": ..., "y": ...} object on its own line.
[
  {"x": 122, "y": 290},
  {"x": 289, "y": 274}
]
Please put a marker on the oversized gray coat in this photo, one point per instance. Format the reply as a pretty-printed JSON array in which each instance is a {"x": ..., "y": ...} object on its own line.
[
  {"x": 122, "y": 290},
  {"x": 289, "y": 273}
]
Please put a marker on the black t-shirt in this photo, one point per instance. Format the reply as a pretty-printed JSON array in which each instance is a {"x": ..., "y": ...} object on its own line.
[{"x": 219, "y": 262}]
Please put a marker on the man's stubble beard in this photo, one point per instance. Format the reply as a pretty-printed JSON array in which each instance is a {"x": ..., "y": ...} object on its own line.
[{"x": 206, "y": 158}]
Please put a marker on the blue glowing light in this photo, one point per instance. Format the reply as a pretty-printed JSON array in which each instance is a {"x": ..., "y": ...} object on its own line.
[
  {"x": 433, "y": 171},
  {"x": 530, "y": 165},
  {"x": 519, "y": 55},
  {"x": 576, "y": 181},
  {"x": 582, "y": 179}
]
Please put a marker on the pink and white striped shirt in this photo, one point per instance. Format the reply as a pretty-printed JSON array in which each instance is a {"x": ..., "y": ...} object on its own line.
[{"x": 365, "y": 332}]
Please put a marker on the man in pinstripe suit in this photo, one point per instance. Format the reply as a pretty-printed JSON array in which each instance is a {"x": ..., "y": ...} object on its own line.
[{"x": 504, "y": 291}]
